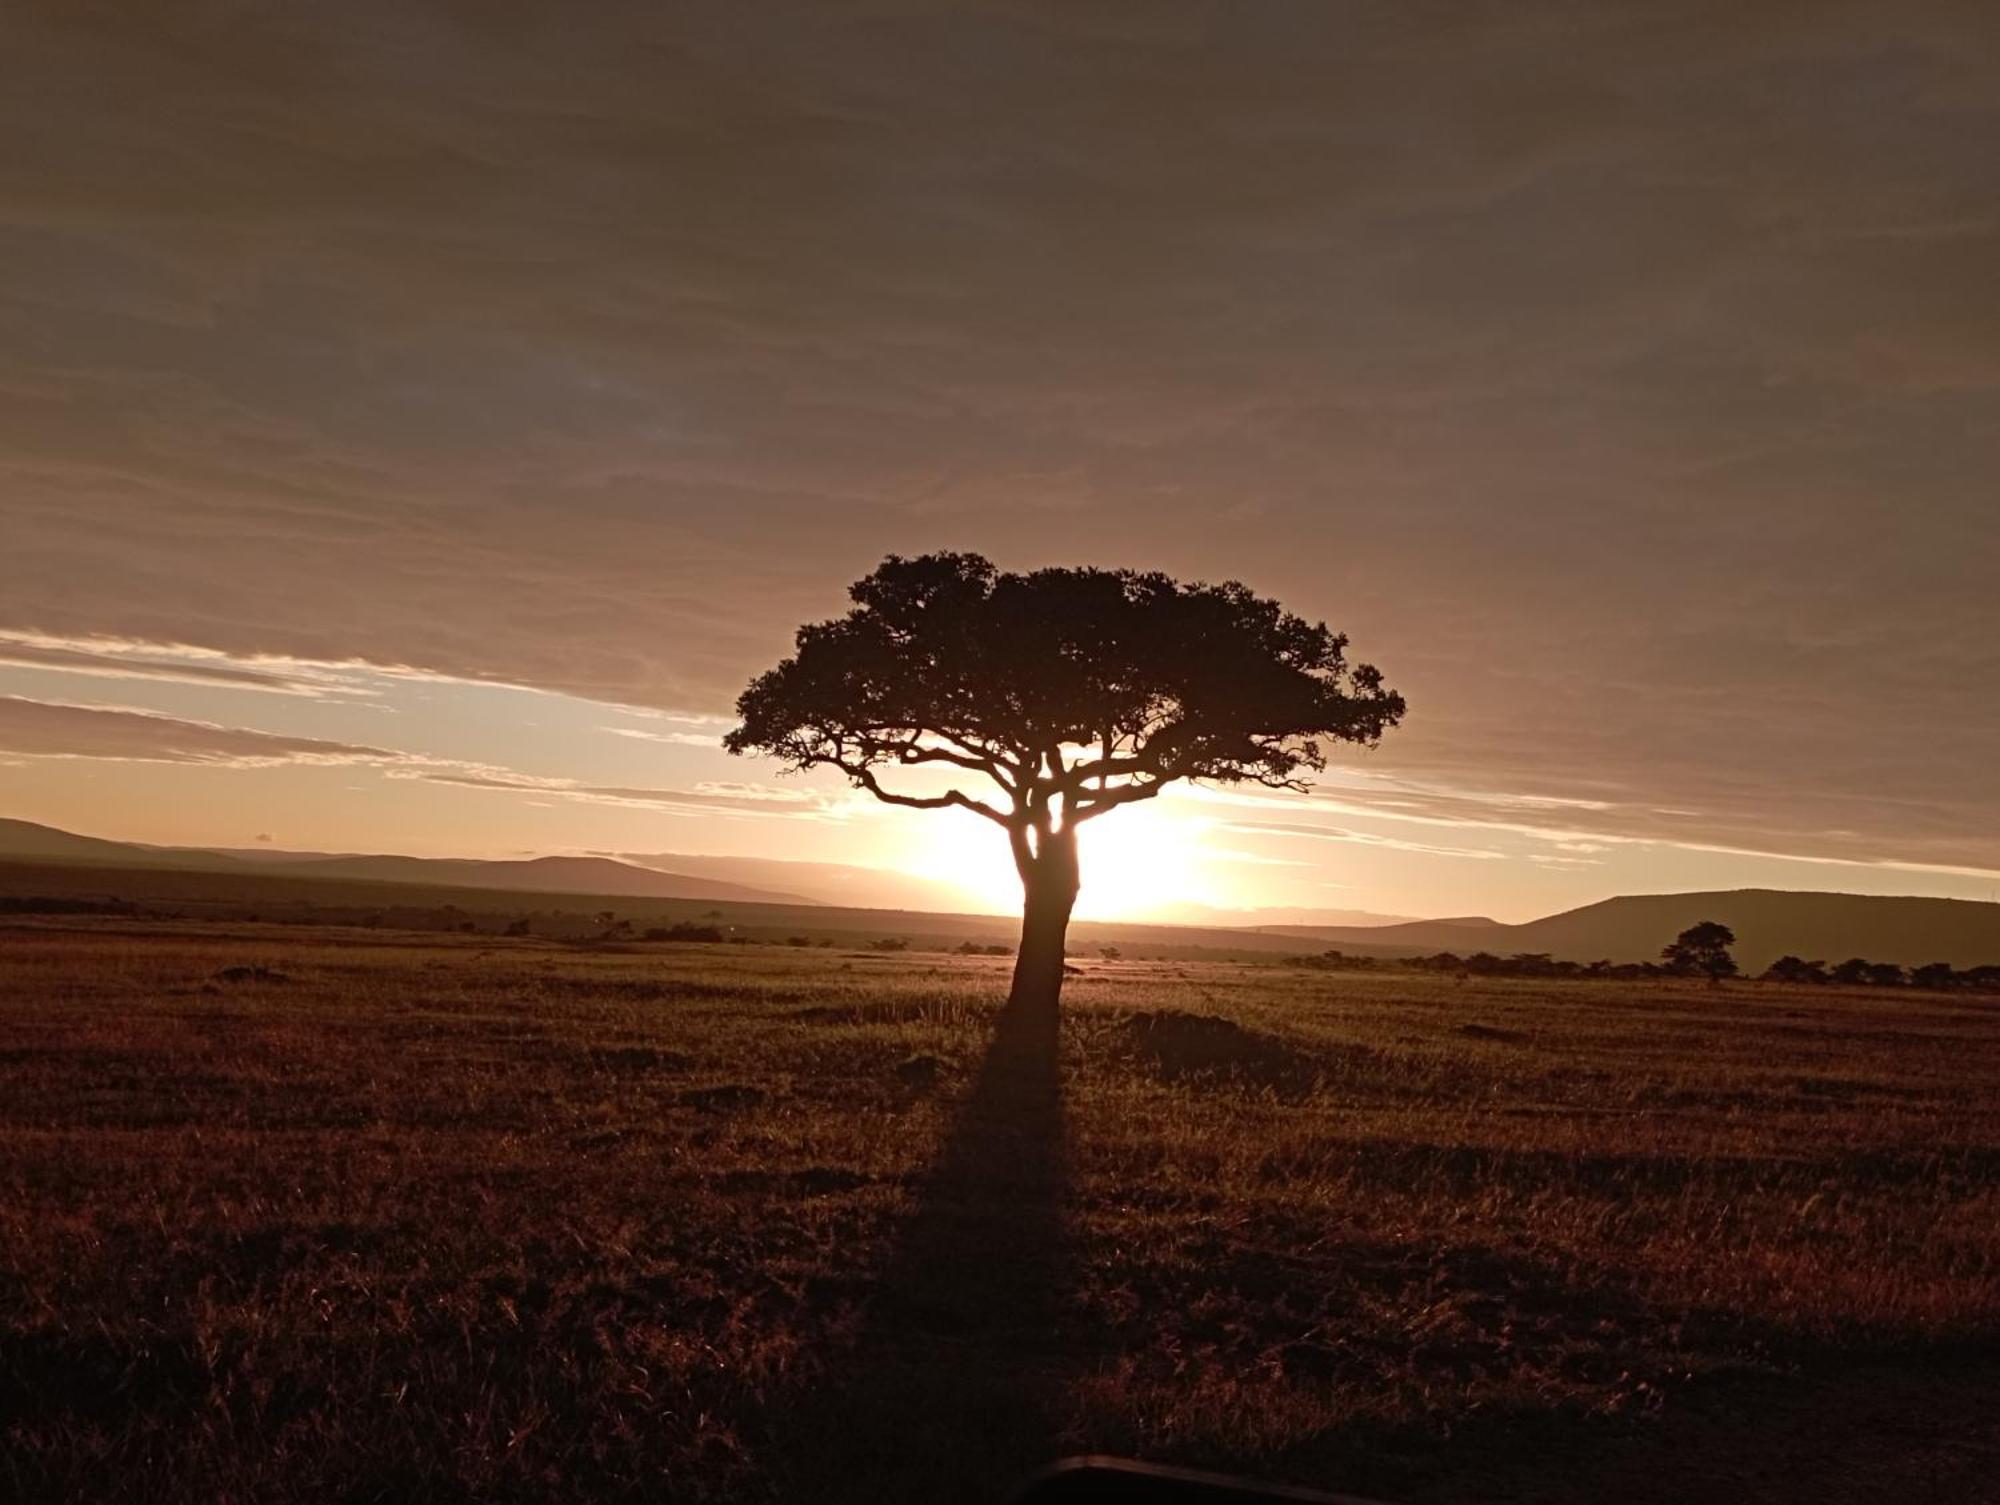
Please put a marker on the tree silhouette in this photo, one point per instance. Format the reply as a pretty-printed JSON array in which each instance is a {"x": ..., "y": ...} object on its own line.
[
  {"x": 1795, "y": 969},
  {"x": 1702, "y": 950},
  {"x": 1066, "y": 693}
]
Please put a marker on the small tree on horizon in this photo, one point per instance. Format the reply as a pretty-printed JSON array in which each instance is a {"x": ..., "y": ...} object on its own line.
[
  {"x": 1702, "y": 951},
  {"x": 1795, "y": 969},
  {"x": 1058, "y": 695}
]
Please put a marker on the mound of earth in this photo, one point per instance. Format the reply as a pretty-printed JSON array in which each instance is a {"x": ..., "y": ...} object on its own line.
[{"x": 1182, "y": 1045}]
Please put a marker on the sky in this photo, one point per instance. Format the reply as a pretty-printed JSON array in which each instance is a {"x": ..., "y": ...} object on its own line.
[{"x": 418, "y": 421}]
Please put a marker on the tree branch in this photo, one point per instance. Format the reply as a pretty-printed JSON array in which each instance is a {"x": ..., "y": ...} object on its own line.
[
  {"x": 864, "y": 776},
  {"x": 1108, "y": 766},
  {"x": 1111, "y": 799},
  {"x": 912, "y": 752}
]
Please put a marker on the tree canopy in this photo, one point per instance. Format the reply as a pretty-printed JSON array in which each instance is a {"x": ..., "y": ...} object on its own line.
[
  {"x": 1702, "y": 949},
  {"x": 1068, "y": 692}
]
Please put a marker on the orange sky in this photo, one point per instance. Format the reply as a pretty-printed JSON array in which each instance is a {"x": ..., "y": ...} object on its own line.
[
  {"x": 1621, "y": 377},
  {"x": 173, "y": 747}
]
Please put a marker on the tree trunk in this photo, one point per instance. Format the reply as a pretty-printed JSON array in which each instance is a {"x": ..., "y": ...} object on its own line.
[{"x": 1049, "y": 884}]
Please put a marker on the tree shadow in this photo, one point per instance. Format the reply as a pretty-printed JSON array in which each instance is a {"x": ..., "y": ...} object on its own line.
[{"x": 949, "y": 1391}]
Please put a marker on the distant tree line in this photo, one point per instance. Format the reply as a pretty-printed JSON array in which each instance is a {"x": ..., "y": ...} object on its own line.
[
  {"x": 1699, "y": 951},
  {"x": 1858, "y": 971},
  {"x": 1478, "y": 964}
]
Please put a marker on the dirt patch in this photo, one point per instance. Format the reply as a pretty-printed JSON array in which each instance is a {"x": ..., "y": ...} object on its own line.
[
  {"x": 636, "y": 1058},
  {"x": 1180, "y": 1045},
  {"x": 730, "y": 1097},
  {"x": 251, "y": 974},
  {"x": 1493, "y": 1032},
  {"x": 919, "y": 1072}
]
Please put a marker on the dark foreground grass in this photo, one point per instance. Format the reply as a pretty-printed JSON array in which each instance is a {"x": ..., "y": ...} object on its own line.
[{"x": 438, "y": 1218}]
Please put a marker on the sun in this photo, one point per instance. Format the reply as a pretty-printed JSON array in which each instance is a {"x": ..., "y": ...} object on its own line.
[{"x": 1136, "y": 863}]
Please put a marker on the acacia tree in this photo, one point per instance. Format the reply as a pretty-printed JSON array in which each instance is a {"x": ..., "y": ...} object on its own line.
[
  {"x": 1702, "y": 950},
  {"x": 1054, "y": 697}
]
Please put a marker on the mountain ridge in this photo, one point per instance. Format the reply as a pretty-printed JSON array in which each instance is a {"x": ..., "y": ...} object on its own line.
[
  {"x": 584, "y": 875},
  {"x": 1910, "y": 930}
]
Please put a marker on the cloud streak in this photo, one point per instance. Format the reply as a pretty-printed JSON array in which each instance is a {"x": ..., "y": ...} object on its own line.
[
  {"x": 704, "y": 799},
  {"x": 55, "y": 729},
  {"x": 1357, "y": 838},
  {"x": 109, "y": 658}
]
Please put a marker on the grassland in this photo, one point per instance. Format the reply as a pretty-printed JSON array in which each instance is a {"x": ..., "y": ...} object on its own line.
[
  {"x": 297, "y": 1214},
  {"x": 192, "y": 894}
]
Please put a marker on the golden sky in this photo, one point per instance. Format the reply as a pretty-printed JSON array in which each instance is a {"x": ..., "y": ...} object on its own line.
[{"x": 477, "y": 396}]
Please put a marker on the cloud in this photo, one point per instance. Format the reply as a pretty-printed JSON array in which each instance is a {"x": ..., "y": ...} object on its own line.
[
  {"x": 54, "y": 729},
  {"x": 704, "y": 799},
  {"x": 676, "y": 739},
  {"x": 1619, "y": 375},
  {"x": 1255, "y": 859},
  {"x": 1358, "y": 838},
  {"x": 112, "y": 658},
  {"x": 1606, "y": 827}
]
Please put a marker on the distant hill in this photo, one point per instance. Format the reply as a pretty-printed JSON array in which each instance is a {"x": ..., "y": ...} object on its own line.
[
  {"x": 26, "y": 840},
  {"x": 1769, "y": 923},
  {"x": 1311, "y": 923},
  {"x": 1279, "y": 921},
  {"x": 577, "y": 875},
  {"x": 851, "y": 885}
]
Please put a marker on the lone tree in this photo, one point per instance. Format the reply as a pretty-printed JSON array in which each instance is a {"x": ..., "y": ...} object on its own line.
[
  {"x": 1066, "y": 693},
  {"x": 1702, "y": 951}
]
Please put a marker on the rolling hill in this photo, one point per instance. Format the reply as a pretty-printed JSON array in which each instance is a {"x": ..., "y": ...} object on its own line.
[
  {"x": 573, "y": 875},
  {"x": 23, "y": 840},
  {"x": 849, "y": 885},
  {"x": 1769, "y": 923}
]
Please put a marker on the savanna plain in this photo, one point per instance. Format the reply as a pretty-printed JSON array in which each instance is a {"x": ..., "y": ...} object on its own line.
[{"x": 313, "y": 1214}]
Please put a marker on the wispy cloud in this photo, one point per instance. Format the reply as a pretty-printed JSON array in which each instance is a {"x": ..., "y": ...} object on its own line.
[
  {"x": 1603, "y": 827},
  {"x": 120, "y": 658},
  {"x": 676, "y": 739},
  {"x": 1357, "y": 838},
  {"x": 31, "y": 728},
  {"x": 1252, "y": 859},
  {"x": 704, "y": 799},
  {"x": 57, "y": 729}
]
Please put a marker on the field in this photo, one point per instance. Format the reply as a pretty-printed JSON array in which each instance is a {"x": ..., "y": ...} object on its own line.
[
  {"x": 311, "y": 1214},
  {"x": 191, "y": 894}
]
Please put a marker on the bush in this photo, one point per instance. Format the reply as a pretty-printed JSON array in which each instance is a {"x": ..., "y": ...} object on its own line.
[
  {"x": 685, "y": 931},
  {"x": 1795, "y": 969},
  {"x": 1336, "y": 961}
]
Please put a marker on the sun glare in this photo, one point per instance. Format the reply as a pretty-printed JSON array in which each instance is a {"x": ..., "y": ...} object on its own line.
[{"x": 1136, "y": 863}]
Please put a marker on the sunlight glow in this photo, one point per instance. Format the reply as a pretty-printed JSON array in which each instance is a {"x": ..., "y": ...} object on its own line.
[{"x": 1135, "y": 862}]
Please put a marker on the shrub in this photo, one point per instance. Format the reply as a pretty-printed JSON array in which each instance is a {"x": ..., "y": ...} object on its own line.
[{"x": 685, "y": 931}]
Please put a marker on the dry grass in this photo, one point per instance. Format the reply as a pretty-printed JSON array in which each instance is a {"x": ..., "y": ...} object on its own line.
[{"x": 445, "y": 1218}]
